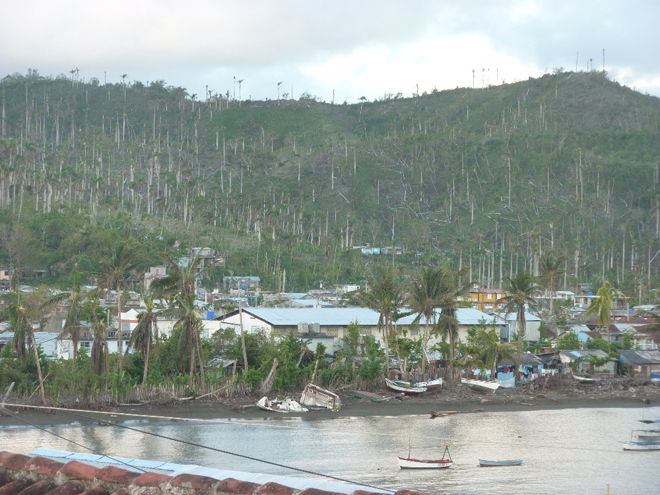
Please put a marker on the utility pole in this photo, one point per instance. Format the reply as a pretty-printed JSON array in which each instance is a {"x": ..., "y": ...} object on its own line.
[{"x": 278, "y": 93}]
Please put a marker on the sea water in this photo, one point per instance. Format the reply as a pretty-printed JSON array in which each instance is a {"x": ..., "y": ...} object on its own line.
[{"x": 564, "y": 451}]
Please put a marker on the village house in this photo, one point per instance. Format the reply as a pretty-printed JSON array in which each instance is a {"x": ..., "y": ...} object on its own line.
[
  {"x": 532, "y": 327},
  {"x": 640, "y": 364},
  {"x": 330, "y": 325},
  {"x": 485, "y": 300},
  {"x": 578, "y": 361}
]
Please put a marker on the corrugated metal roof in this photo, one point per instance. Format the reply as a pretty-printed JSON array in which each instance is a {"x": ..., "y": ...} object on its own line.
[
  {"x": 641, "y": 357},
  {"x": 346, "y": 316}
]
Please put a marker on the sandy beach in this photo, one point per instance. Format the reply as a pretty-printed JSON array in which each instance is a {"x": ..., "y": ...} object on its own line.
[{"x": 556, "y": 394}]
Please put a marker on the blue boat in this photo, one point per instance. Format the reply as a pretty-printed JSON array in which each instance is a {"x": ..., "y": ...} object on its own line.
[{"x": 512, "y": 462}]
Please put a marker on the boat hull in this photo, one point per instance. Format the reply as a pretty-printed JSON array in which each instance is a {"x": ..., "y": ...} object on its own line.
[
  {"x": 361, "y": 394},
  {"x": 408, "y": 463},
  {"x": 642, "y": 446},
  {"x": 481, "y": 385},
  {"x": 319, "y": 398},
  {"x": 513, "y": 462},
  {"x": 404, "y": 387}
]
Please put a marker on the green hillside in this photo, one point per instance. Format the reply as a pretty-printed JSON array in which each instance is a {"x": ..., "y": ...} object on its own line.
[{"x": 492, "y": 178}]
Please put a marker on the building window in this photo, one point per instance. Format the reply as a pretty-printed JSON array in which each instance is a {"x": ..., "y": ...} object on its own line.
[{"x": 86, "y": 345}]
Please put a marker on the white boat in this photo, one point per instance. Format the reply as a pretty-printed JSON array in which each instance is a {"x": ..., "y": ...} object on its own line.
[
  {"x": 404, "y": 387},
  {"x": 642, "y": 440},
  {"x": 481, "y": 385},
  {"x": 315, "y": 397},
  {"x": 585, "y": 379},
  {"x": 641, "y": 446},
  {"x": 411, "y": 463},
  {"x": 282, "y": 406}
]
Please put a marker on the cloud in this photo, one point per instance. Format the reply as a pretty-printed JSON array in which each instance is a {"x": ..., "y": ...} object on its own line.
[{"x": 369, "y": 48}]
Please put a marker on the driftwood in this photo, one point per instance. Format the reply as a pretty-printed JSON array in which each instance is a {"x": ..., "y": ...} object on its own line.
[
  {"x": 267, "y": 384},
  {"x": 441, "y": 414}
]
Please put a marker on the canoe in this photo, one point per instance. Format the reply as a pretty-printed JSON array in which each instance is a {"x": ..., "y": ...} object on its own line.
[
  {"x": 361, "y": 394},
  {"x": 404, "y": 387},
  {"x": 481, "y": 385},
  {"x": 512, "y": 462}
]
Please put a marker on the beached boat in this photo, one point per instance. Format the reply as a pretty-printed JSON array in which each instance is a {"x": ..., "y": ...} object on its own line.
[
  {"x": 361, "y": 394},
  {"x": 411, "y": 463},
  {"x": 282, "y": 406},
  {"x": 434, "y": 385},
  {"x": 512, "y": 462},
  {"x": 404, "y": 387},
  {"x": 315, "y": 397},
  {"x": 481, "y": 385},
  {"x": 585, "y": 379}
]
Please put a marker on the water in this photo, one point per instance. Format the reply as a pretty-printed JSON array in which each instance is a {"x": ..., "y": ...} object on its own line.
[{"x": 564, "y": 451}]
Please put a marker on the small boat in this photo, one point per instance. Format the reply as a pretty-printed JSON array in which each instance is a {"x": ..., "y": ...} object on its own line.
[
  {"x": 315, "y": 397},
  {"x": 585, "y": 379},
  {"x": 641, "y": 446},
  {"x": 643, "y": 440},
  {"x": 434, "y": 385},
  {"x": 361, "y": 394},
  {"x": 282, "y": 406},
  {"x": 404, "y": 387},
  {"x": 481, "y": 385},
  {"x": 646, "y": 435},
  {"x": 411, "y": 463},
  {"x": 512, "y": 462}
]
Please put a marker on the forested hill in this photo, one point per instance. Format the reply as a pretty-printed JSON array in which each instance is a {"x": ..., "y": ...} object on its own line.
[{"x": 494, "y": 179}]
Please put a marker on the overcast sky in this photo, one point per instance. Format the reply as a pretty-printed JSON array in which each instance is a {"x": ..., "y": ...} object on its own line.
[{"x": 353, "y": 48}]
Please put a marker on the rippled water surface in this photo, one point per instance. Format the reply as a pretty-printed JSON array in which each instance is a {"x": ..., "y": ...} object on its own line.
[{"x": 564, "y": 451}]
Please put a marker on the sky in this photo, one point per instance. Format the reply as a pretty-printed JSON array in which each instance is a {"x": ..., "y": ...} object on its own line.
[{"x": 338, "y": 51}]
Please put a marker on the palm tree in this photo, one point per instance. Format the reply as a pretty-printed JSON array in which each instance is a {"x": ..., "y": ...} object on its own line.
[
  {"x": 423, "y": 298},
  {"x": 180, "y": 288},
  {"x": 385, "y": 295},
  {"x": 493, "y": 351},
  {"x": 145, "y": 332},
  {"x": 449, "y": 291},
  {"x": 602, "y": 306},
  {"x": 72, "y": 326},
  {"x": 114, "y": 271},
  {"x": 520, "y": 291},
  {"x": 99, "y": 345},
  {"x": 551, "y": 269}
]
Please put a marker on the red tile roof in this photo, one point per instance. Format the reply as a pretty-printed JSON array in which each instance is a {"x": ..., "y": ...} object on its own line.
[{"x": 24, "y": 475}]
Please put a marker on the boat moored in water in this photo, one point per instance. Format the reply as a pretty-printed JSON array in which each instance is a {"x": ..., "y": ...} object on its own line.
[{"x": 511, "y": 462}]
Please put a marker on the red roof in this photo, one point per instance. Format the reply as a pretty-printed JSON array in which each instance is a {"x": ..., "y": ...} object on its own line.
[{"x": 22, "y": 474}]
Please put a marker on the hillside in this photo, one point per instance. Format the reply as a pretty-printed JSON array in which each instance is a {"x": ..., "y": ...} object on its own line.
[{"x": 491, "y": 178}]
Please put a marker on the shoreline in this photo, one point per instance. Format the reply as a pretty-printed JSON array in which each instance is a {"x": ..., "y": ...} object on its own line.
[{"x": 460, "y": 401}]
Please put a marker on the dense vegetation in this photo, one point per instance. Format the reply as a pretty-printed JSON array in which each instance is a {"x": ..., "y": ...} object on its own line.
[{"x": 492, "y": 179}]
